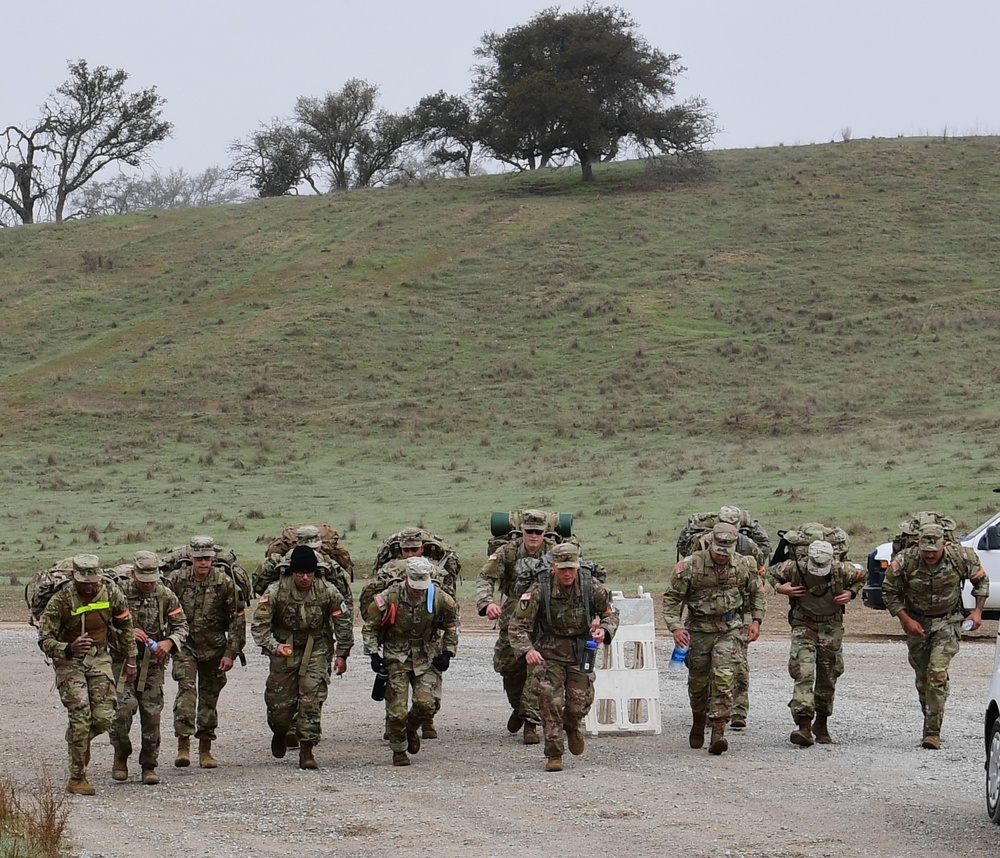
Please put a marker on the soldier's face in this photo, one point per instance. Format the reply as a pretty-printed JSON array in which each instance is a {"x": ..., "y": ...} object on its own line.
[
  {"x": 532, "y": 539},
  {"x": 566, "y": 575},
  {"x": 144, "y": 586},
  {"x": 413, "y": 551},
  {"x": 931, "y": 556},
  {"x": 718, "y": 559},
  {"x": 86, "y": 590},
  {"x": 303, "y": 580},
  {"x": 202, "y": 566}
]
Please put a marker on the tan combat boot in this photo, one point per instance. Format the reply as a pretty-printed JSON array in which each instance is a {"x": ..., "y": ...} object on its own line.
[
  {"x": 183, "y": 752},
  {"x": 119, "y": 769},
  {"x": 530, "y": 733},
  {"x": 820, "y": 730},
  {"x": 696, "y": 738},
  {"x": 291, "y": 739},
  {"x": 429, "y": 731},
  {"x": 554, "y": 764},
  {"x": 306, "y": 759},
  {"x": 150, "y": 777},
  {"x": 515, "y": 722},
  {"x": 718, "y": 744},
  {"x": 205, "y": 758},
  {"x": 399, "y": 758},
  {"x": 80, "y": 786},
  {"x": 412, "y": 740},
  {"x": 574, "y": 739},
  {"x": 803, "y": 735},
  {"x": 931, "y": 742}
]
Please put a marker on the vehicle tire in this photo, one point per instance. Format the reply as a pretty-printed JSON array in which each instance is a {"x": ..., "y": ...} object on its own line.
[{"x": 993, "y": 772}]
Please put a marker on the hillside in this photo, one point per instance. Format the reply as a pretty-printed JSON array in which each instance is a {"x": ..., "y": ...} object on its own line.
[{"x": 810, "y": 334}]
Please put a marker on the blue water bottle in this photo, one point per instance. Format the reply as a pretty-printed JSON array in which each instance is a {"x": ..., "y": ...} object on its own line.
[
  {"x": 677, "y": 658},
  {"x": 152, "y": 645},
  {"x": 589, "y": 658}
]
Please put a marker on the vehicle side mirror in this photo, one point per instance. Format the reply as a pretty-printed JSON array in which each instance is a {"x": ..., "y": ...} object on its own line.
[{"x": 992, "y": 538}]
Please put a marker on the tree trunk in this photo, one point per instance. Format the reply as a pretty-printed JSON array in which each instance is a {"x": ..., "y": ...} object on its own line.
[{"x": 586, "y": 164}]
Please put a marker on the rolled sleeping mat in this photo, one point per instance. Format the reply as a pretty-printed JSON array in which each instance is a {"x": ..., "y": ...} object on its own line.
[{"x": 502, "y": 523}]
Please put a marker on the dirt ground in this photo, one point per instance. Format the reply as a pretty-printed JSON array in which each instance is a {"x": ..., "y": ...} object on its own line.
[{"x": 478, "y": 790}]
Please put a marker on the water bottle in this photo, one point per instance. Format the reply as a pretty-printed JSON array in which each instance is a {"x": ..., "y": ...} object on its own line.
[
  {"x": 967, "y": 626},
  {"x": 378, "y": 687},
  {"x": 589, "y": 657},
  {"x": 152, "y": 645},
  {"x": 677, "y": 658}
]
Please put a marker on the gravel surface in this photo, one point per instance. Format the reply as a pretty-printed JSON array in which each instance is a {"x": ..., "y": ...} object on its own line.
[{"x": 478, "y": 791}]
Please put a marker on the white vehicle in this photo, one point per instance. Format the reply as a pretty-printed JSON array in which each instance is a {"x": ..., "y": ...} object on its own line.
[
  {"x": 985, "y": 539},
  {"x": 992, "y": 734}
]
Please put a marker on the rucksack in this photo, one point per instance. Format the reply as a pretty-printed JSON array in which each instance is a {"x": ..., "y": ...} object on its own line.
[
  {"x": 274, "y": 569},
  {"x": 331, "y": 544},
  {"x": 392, "y": 573},
  {"x": 45, "y": 584},
  {"x": 436, "y": 550},
  {"x": 909, "y": 529},
  {"x": 694, "y": 535},
  {"x": 172, "y": 559},
  {"x": 531, "y": 570},
  {"x": 794, "y": 544},
  {"x": 505, "y": 526}
]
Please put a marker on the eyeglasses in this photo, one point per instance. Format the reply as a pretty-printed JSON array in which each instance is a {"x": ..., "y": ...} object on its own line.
[{"x": 533, "y": 531}]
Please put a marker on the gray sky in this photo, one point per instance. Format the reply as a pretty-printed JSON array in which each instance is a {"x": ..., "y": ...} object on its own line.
[{"x": 774, "y": 71}]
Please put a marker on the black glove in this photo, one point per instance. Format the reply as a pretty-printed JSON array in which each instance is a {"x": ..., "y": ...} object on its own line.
[
  {"x": 378, "y": 663},
  {"x": 442, "y": 660}
]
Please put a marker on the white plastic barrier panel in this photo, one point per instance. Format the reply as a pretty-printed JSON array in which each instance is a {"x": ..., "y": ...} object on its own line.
[{"x": 626, "y": 682}]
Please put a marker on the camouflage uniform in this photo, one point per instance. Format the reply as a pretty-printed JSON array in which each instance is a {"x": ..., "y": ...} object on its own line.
[
  {"x": 217, "y": 628},
  {"x": 717, "y": 598},
  {"x": 319, "y": 625},
  {"x": 160, "y": 616},
  {"x": 501, "y": 573},
  {"x": 932, "y": 596},
  {"x": 411, "y": 636},
  {"x": 558, "y": 631},
  {"x": 85, "y": 681},
  {"x": 816, "y": 658}
]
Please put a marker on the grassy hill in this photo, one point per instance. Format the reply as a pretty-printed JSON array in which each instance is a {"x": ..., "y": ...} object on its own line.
[{"x": 812, "y": 334}]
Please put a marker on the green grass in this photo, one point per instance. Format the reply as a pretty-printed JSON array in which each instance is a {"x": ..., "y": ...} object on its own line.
[{"x": 810, "y": 335}]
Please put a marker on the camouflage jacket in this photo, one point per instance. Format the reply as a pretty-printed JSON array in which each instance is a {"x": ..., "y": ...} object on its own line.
[
  {"x": 159, "y": 613},
  {"x": 933, "y": 591},
  {"x": 717, "y": 598},
  {"x": 561, "y": 639},
  {"x": 106, "y": 619},
  {"x": 407, "y": 631},
  {"x": 817, "y": 604},
  {"x": 216, "y": 624},
  {"x": 286, "y": 614},
  {"x": 501, "y": 573}
]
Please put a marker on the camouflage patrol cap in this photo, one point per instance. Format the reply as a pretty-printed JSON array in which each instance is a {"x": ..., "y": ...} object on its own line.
[
  {"x": 86, "y": 568},
  {"x": 566, "y": 555},
  {"x": 730, "y": 515},
  {"x": 930, "y": 537},
  {"x": 418, "y": 573},
  {"x": 308, "y": 535},
  {"x": 146, "y": 567},
  {"x": 533, "y": 519},
  {"x": 724, "y": 538},
  {"x": 820, "y": 557},
  {"x": 201, "y": 546},
  {"x": 411, "y": 537}
]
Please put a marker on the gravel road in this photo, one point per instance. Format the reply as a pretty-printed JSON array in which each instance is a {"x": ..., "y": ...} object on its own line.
[{"x": 478, "y": 791}]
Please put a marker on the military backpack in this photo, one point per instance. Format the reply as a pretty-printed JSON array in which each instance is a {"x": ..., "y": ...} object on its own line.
[{"x": 331, "y": 544}]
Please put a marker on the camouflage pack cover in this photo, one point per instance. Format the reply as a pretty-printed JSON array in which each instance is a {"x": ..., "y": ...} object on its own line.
[
  {"x": 698, "y": 528},
  {"x": 331, "y": 544},
  {"x": 907, "y": 536},
  {"x": 174, "y": 558},
  {"x": 799, "y": 540},
  {"x": 439, "y": 552},
  {"x": 44, "y": 584},
  {"x": 554, "y": 528}
]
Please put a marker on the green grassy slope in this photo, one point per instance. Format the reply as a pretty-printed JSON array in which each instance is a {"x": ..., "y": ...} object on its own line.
[{"x": 811, "y": 334}]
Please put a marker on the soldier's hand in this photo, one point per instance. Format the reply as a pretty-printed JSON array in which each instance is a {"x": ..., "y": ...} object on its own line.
[
  {"x": 283, "y": 650},
  {"x": 910, "y": 625},
  {"x": 534, "y": 657},
  {"x": 442, "y": 660},
  {"x": 82, "y": 645},
  {"x": 682, "y": 637},
  {"x": 842, "y": 598},
  {"x": 340, "y": 665},
  {"x": 163, "y": 650},
  {"x": 225, "y": 664},
  {"x": 493, "y": 611},
  {"x": 130, "y": 670},
  {"x": 378, "y": 663},
  {"x": 793, "y": 590},
  {"x": 141, "y": 637}
]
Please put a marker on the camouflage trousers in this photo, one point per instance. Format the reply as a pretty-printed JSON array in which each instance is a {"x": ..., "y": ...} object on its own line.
[
  {"x": 930, "y": 657},
  {"x": 741, "y": 689},
  {"x": 86, "y": 688},
  {"x": 199, "y": 684},
  {"x": 149, "y": 704},
  {"x": 564, "y": 694},
  {"x": 516, "y": 674},
  {"x": 399, "y": 719},
  {"x": 713, "y": 663},
  {"x": 297, "y": 699},
  {"x": 815, "y": 662}
]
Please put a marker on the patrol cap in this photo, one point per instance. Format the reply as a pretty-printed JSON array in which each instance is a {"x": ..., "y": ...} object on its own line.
[
  {"x": 820, "y": 557},
  {"x": 303, "y": 559},
  {"x": 930, "y": 537},
  {"x": 418, "y": 573},
  {"x": 308, "y": 535},
  {"x": 724, "y": 539},
  {"x": 146, "y": 567},
  {"x": 411, "y": 537},
  {"x": 566, "y": 555},
  {"x": 730, "y": 515},
  {"x": 86, "y": 568},
  {"x": 533, "y": 519},
  {"x": 201, "y": 546}
]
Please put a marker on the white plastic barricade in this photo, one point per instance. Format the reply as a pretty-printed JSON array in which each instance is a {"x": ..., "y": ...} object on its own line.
[{"x": 626, "y": 682}]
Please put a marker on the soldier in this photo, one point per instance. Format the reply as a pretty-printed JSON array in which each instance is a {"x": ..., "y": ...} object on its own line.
[
  {"x": 301, "y": 623},
  {"x": 716, "y": 584},
  {"x": 217, "y": 635},
  {"x": 817, "y": 595},
  {"x": 79, "y": 625},
  {"x": 160, "y": 628},
  {"x": 923, "y": 589},
  {"x": 501, "y": 572},
  {"x": 417, "y": 628},
  {"x": 549, "y": 627}
]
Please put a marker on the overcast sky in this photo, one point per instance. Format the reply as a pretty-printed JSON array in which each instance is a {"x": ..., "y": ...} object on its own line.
[{"x": 774, "y": 71}]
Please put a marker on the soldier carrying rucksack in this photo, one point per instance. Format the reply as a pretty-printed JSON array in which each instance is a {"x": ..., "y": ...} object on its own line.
[
  {"x": 752, "y": 540},
  {"x": 329, "y": 546},
  {"x": 330, "y": 569}
]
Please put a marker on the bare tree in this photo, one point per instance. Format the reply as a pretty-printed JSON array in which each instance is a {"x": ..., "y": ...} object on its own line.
[
  {"x": 23, "y": 184},
  {"x": 176, "y": 190}
]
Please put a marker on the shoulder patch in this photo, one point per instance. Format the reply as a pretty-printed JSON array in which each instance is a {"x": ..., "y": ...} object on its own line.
[
  {"x": 263, "y": 600},
  {"x": 493, "y": 556},
  {"x": 525, "y": 597},
  {"x": 679, "y": 567},
  {"x": 380, "y": 601},
  {"x": 894, "y": 566}
]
